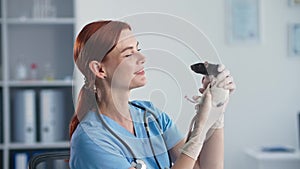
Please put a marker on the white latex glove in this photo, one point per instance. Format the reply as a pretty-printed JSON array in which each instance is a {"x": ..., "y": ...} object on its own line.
[
  {"x": 223, "y": 86},
  {"x": 219, "y": 88},
  {"x": 217, "y": 125},
  {"x": 215, "y": 117},
  {"x": 198, "y": 127}
]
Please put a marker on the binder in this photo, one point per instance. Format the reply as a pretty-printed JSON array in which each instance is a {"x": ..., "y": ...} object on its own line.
[
  {"x": 24, "y": 119},
  {"x": 52, "y": 115},
  {"x": 21, "y": 160}
]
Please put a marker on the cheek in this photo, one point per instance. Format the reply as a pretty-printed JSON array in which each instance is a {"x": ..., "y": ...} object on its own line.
[
  {"x": 124, "y": 72},
  {"x": 126, "y": 67},
  {"x": 118, "y": 68}
]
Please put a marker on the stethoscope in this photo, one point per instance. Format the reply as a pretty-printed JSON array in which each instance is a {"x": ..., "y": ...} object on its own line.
[{"x": 138, "y": 163}]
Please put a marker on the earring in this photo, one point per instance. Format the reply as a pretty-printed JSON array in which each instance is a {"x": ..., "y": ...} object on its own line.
[{"x": 95, "y": 89}]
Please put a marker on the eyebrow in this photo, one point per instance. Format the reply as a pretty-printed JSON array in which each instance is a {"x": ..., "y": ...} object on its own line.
[{"x": 129, "y": 47}]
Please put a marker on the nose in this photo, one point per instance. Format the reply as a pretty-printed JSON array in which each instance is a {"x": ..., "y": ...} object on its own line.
[{"x": 141, "y": 59}]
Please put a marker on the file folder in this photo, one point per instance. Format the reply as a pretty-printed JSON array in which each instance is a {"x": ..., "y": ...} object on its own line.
[
  {"x": 52, "y": 115},
  {"x": 24, "y": 116},
  {"x": 21, "y": 160}
]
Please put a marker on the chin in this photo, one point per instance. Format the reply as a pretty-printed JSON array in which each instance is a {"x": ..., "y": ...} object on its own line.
[{"x": 138, "y": 84}]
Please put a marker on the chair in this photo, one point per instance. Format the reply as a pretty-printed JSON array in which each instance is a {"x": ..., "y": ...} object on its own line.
[{"x": 50, "y": 160}]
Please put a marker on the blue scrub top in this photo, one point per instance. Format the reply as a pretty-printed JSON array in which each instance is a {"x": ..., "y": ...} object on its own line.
[{"x": 94, "y": 147}]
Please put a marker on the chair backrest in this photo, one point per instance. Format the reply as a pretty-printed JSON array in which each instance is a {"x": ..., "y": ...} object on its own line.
[{"x": 47, "y": 160}]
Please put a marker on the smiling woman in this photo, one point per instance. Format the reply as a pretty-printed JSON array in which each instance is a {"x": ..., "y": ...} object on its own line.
[{"x": 109, "y": 131}]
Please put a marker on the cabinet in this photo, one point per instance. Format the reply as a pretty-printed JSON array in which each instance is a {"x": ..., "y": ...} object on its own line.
[
  {"x": 256, "y": 159},
  {"x": 36, "y": 69}
]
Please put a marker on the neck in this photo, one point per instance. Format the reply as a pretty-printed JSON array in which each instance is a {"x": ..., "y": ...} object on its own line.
[{"x": 114, "y": 104}]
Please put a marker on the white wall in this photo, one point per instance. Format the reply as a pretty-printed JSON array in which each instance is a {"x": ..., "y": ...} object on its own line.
[{"x": 263, "y": 109}]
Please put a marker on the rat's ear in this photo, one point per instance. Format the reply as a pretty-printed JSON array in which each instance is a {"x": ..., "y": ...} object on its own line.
[{"x": 97, "y": 69}]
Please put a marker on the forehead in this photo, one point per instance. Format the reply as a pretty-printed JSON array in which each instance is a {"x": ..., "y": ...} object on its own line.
[{"x": 126, "y": 39}]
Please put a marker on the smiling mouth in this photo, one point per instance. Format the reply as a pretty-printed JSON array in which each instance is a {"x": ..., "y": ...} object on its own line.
[{"x": 140, "y": 72}]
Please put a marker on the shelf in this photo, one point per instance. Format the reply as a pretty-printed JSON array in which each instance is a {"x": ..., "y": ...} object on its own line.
[
  {"x": 41, "y": 83},
  {"x": 41, "y": 21},
  {"x": 39, "y": 8},
  {"x": 20, "y": 146},
  {"x": 40, "y": 33},
  {"x": 50, "y": 46}
]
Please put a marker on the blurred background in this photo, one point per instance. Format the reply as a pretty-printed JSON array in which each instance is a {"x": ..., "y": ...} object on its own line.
[
  {"x": 258, "y": 41},
  {"x": 263, "y": 110}
]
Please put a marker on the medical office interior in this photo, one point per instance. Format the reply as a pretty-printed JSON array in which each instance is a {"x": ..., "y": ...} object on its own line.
[{"x": 38, "y": 81}]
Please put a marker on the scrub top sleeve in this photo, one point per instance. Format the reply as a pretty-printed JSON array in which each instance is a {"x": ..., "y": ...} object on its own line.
[
  {"x": 171, "y": 133},
  {"x": 85, "y": 154}
]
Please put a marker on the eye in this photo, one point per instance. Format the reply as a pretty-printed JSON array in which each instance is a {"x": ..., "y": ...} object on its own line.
[
  {"x": 128, "y": 55},
  {"x": 139, "y": 49}
]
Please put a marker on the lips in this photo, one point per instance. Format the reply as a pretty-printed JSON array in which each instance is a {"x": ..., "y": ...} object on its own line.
[{"x": 140, "y": 72}]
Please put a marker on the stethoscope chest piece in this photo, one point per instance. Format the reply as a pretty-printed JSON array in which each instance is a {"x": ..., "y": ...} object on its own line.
[{"x": 139, "y": 164}]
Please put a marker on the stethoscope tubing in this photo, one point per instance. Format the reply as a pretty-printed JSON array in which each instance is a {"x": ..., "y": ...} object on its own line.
[{"x": 147, "y": 131}]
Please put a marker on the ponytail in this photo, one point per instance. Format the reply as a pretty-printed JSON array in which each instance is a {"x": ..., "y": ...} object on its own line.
[{"x": 86, "y": 102}]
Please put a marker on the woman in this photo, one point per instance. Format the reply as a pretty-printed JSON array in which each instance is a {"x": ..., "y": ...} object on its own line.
[{"x": 107, "y": 131}]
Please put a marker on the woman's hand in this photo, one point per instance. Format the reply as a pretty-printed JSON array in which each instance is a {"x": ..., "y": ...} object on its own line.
[{"x": 198, "y": 127}]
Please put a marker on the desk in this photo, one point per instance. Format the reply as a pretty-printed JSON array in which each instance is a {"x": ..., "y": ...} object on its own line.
[{"x": 256, "y": 159}]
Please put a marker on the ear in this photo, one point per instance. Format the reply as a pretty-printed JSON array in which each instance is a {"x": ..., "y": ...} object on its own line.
[{"x": 97, "y": 69}]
